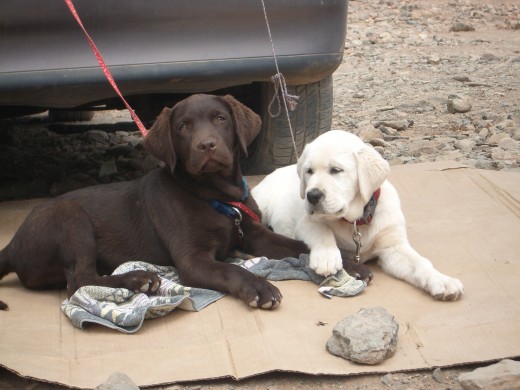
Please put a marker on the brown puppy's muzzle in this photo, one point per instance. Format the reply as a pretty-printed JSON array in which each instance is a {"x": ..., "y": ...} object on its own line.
[
  {"x": 209, "y": 154},
  {"x": 207, "y": 145}
]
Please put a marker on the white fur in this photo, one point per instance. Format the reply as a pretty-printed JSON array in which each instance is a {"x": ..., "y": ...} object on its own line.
[{"x": 347, "y": 172}]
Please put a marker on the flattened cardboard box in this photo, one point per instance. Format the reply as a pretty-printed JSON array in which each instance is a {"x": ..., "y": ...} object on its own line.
[{"x": 466, "y": 221}]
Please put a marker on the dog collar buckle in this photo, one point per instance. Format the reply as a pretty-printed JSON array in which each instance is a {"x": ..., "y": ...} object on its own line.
[{"x": 237, "y": 220}]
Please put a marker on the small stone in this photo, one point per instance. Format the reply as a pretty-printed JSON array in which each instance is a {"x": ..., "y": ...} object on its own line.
[
  {"x": 459, "y": 26},
  {"x": 419, "y": 107},
  {"x": 499, "y": 154},
  {"x": 484, "y": 133},
  {"x": 458, "y": 104},
  {"x": 379, "y": 142},
  {"x": 108, "y": 168},
  {"x": 367, "y": 337},
  {"x": 118, "y": 381},
  {"x": 488, "y": 57},
  {"x": 466, "y": 145},
  {"x": 462, "y": 79},
  {"x": 496, "y": 138},
  {"x": 369, "y": 132},
  {"x": 397, "y": 125},
  {"x": 387, "y": 379},
  {"x": 438, "y": 375},
  {"x": 97, "y": 136},
  {"x": 434, "y": 60},
  {"x": 508, "y": 144},
  {"x": 500, "y": 376}
]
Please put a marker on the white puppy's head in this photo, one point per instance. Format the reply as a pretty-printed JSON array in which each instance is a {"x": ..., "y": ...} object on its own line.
[{"x": 338, "y": 175}]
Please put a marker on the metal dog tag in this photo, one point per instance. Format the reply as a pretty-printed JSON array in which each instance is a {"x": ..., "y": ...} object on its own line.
[
  {"x": 237, "y": 220},
  {"x": 357, "y": 240}
]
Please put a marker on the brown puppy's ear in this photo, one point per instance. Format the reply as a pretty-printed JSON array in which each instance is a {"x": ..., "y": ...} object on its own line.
[
  {"x": 247, "y": 122},
  {"x": 159, "y": 142},
  {"x": 372, "y": 169}
]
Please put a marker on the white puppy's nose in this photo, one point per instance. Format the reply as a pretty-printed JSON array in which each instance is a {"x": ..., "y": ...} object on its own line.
[{"x": 314, "y": 196}]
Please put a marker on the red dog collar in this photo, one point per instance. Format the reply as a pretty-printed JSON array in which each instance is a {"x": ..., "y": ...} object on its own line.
[
  {"x": 245, "y": 209},
  {"x": 369, "y": 210}
]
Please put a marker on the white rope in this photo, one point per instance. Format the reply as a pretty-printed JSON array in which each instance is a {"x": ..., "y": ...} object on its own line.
[{"x": 280, "y": 88}]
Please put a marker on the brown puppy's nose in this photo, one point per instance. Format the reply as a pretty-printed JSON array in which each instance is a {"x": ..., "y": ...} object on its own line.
[
  {"x": 207, "y": 144},
  {"x": 314, "y": 196}
]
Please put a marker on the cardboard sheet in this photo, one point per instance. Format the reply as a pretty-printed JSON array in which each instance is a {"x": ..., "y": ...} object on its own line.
[{"x": 466, "y": 221}]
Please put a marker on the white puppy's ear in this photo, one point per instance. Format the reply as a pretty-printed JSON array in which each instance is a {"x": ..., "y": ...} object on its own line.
[
  {"x": 303, "y": 182},
  {"x": 372, "y": 171}
]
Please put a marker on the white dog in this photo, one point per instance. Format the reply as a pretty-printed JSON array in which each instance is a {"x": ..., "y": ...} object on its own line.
[{"x": 340, "y": 180}]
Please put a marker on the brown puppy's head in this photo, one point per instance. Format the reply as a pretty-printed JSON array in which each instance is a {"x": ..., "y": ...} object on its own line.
[{"x": 203, "y": 133}]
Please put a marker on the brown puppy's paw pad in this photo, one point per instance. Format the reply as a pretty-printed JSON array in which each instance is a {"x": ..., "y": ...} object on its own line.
[
  {"x": 150, "y": 286},
  {"x": 142, "y": 282},
  {"x": 262, "y": 295},
  {"x": 358, "y": 270}
]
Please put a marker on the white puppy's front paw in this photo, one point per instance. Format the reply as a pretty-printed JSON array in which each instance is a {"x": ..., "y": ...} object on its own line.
[
  {"x": 445, "y": 288},
  {"x": 325, "y": 261}
]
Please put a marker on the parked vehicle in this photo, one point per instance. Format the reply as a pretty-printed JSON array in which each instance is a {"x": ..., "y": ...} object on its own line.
[{"x": 160, "y": 52}]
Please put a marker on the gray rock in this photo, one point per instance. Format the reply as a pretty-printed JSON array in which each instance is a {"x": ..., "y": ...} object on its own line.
[
  {"x": 488, "y": 57},
  {"x": 507, "y": 143},
  {"x": 97, "y": 136},
  {"x": 108, "y": 168},
  {"x": 118, "y": 381},
  {"x": 458, "y": 104},
  {"x": 496, "y": 138},
  {"x": 379, "y": 142},
  {"x": 387, "y": 379},
  {"x": 500, "y": 376},
  {"x": 466, "y": 145},
  {"x": 367, "y": 337},
  {"x": 368, "y": 133},
  {"x": 462, "y": 78},
  {"x": 419, "y": 107},
  {"x": 397, "y": 125},
  {"x": 433, "y": 60},
  {"x": 460, "y": 26},
  {"x": 438, "y": 375}
]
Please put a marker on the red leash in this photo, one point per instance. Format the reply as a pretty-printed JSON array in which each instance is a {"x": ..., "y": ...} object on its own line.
[{"x": 104, "y": 67}]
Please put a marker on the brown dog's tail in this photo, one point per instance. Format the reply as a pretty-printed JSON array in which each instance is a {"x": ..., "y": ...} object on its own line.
[{"x": 5, "y": 268}]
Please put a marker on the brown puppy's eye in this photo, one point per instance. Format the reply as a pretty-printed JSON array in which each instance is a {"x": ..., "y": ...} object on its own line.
[
  {"x": 220, "y": 118},
  {"x": 182, "y": 126}
]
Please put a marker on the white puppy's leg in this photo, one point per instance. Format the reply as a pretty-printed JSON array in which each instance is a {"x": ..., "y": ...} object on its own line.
[
  {"x": 325, "y": 256},
  {"x": 403, "y": 262}
]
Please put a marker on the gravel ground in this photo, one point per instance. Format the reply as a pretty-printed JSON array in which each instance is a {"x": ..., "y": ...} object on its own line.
[{"x": 420, "y": 80}]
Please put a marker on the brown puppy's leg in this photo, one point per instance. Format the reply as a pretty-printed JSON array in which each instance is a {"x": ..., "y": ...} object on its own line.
[
  {"x": 228, "y": 278},
  {"x": 56, "y": 247},
  {"x": 357, "y": 270}
]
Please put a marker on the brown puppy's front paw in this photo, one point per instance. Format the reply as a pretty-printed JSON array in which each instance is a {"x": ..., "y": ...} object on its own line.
[
  {"x": 358, "y": 270},
  {"x": 142, "y": 282},
  {"x": 261, "y": 294}
]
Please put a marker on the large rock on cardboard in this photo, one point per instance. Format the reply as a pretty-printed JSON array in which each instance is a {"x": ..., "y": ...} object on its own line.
[{"x": 367, "y": 337}]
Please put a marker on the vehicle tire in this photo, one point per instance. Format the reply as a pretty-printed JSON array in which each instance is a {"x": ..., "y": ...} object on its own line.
[
  {"x": 274, "y": 148},
  {"x": 56, "y": 115}
]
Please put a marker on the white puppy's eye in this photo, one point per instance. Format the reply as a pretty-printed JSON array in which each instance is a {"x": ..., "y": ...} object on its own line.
[
  {"x": 334, "y": 170},
  {"x": 309, "y": 171}
]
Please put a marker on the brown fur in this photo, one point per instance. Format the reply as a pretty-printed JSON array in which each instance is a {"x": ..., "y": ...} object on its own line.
[{"x": 164, "y": 218}]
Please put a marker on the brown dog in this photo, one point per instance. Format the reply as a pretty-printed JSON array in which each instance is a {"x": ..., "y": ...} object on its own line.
[{"x": 176, "y": 215}]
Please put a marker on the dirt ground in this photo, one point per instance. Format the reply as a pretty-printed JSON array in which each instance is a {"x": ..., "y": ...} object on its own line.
[{"x": 400, "y": 54}]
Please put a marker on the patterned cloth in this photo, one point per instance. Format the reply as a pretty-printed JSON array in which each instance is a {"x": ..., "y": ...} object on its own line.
[{"x": 123, "y": 310}]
